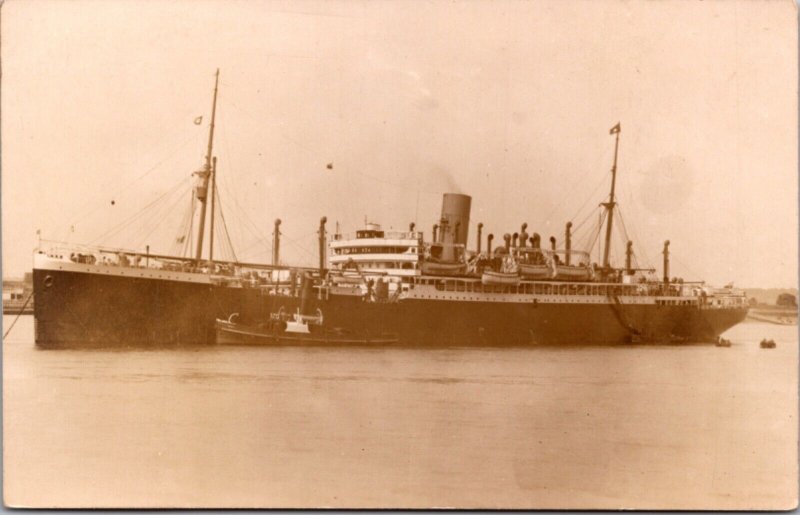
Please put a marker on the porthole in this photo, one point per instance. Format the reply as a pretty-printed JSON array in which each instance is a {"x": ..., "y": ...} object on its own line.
[{"x": 48, "y": 281}]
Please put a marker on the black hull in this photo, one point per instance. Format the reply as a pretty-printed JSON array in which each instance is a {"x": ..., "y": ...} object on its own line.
[
  {"x": 433, "y": 323},
  {"x": 83, "y": 309}
]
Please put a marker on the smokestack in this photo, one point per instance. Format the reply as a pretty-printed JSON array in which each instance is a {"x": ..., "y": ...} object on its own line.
[
  {"x": 480, "y": 229},
  {"x": 553, "y": 242},
  {"x": 523, "y": 236},
  {"x": 435, "y": 232},
  {"x": 276, "y": 242},
  {"x": 666, "y": 262},
  {"x": 629, "y": 258},
  {"x": 489, "y": 244},
  {"x": 568, "y": 242},
  {"x": 455, "y": 214},
  {"x": 322, "y": 245},
  {"x": 536, "y": 240},
  {"x": 411, "y": 227},
  {"x": 514, "y": 238},
  {"x": 507, "y": 239}
]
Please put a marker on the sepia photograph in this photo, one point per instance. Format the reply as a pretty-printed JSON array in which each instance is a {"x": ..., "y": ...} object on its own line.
[{"x": 410, "y": 254}]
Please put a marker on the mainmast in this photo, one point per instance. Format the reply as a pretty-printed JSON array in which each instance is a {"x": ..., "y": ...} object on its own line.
[
  {"x": 611, "y": 203},
  {"x": 205, "y": 175}
]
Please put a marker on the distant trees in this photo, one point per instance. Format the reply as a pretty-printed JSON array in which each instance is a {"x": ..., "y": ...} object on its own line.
[{"x": 786, "y": 300}]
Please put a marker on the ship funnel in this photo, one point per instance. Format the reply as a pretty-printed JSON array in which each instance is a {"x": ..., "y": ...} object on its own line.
[
  {"x": 507, "y": 240},
  {"x": 480, "y": 229},
  {"x": 455, "y": 218},
  {"x": 666, "y": 262},
  {"x": 435, "y": 232},
  {"x": 276, "y": 242},
  {"x": 489, "y": 244},
  {"x": 523, "y": 236},
  {"x": 553, "y": 242},
  {"x": 568, "y": 242},
  {"x": 536, "y": 240},
  {"x": 411, "y": 227},
  {"x": 514, "y": 238}
]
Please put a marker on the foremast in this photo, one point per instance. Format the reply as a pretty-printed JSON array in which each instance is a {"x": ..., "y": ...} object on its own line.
[{"x": 207, "y": 173}]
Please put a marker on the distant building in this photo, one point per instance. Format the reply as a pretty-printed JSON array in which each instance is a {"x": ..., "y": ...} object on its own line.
[{"x": 15, "y": 293}]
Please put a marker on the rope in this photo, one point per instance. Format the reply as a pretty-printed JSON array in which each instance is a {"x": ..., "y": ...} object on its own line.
[
  {"x": 225, "y": 225},
  {"x": 30, "y": 295},
  {"x": 115, "y": 230}
]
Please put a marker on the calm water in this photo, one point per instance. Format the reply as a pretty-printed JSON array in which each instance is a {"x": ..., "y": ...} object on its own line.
[{"x": 679, "y": 427}]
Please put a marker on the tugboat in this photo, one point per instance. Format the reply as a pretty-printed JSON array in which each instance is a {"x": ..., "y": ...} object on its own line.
[{"x": 294, "y": 329}]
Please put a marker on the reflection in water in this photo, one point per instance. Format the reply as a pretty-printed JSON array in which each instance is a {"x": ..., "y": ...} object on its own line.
[{"x": 670, "y": 426}]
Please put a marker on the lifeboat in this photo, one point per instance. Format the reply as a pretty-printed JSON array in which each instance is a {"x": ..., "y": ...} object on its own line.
[
  {"x": 573, "y": 273},
  {"x": 490, "y": 277},
  {"x": 536, "y": 271},
  {"x": 443, "y": 268},
  {"x": 507, "y": 275}
]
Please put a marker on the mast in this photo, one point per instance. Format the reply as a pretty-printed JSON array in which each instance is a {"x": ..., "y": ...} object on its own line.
[
  {"x": 205, "y": 173},
  {"x": 213, "y": 195},
  {"x": 611, "y": 203}
]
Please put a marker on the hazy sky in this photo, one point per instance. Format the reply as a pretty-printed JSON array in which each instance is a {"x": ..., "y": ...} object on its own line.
[{"x": 508, "y": 101}]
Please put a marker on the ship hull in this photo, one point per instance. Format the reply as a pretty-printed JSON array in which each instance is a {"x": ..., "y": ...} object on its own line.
[
  {"x": 92, "y": 309},
  {"x": 448, "y": 323}
]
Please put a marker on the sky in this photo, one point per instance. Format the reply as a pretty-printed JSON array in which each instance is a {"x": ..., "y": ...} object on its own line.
[{"x": 510, "y": 102}]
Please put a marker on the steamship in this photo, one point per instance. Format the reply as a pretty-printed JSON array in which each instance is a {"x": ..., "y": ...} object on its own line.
[{"x": 376, "y": 282}]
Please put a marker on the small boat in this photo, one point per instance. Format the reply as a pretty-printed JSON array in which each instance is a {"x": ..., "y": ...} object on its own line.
[
  {"x": 536, "y": 271},
  {"x": 443, "y": 268},
  {"x": 768, "y": 344},
  {"x": 573, "y": 273},
  {"x": 296, "y": 330},
  {"x": 722, "y": 342},
  {"x": 490, "y": 277}
]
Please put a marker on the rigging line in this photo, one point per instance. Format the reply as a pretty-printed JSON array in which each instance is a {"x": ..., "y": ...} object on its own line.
[
  {"x": 241, "y": 215},
  {"x": 294, "y": 241},
  {"x": 92, "y": 210},
  {"x": 22, "y": 310},
  {"x": 224, "y": 224},
  {"x": 599, "y": 228},
  {"x": 158, "y": 219},
  {"x": 135, "y": 215},
  {"x": 644, "y": 253},
  {"x": 689, "y": 269},
  {"x": 600, "y": 183},
  {"x": 187, "y": 242},
  {"x": 147, "y": 218},
  {"x": 224, "y": 183},
  {"x": 631, "y": 198},
  {"x": 589, "y": 216},
  {"x": 157, "y": 215},
  {"x": 182, "y": 229}
]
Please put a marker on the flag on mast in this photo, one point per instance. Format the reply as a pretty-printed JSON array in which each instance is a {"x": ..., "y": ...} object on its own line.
[{"x": 615, "y": 129}]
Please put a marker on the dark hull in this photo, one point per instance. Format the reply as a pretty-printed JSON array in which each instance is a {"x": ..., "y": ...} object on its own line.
[
  {"x": 432, "y": 322},
  {"x": 82, "y": 309}
]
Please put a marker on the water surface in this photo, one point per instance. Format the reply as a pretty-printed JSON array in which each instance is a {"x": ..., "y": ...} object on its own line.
[{"x": 581, "y": 427}]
